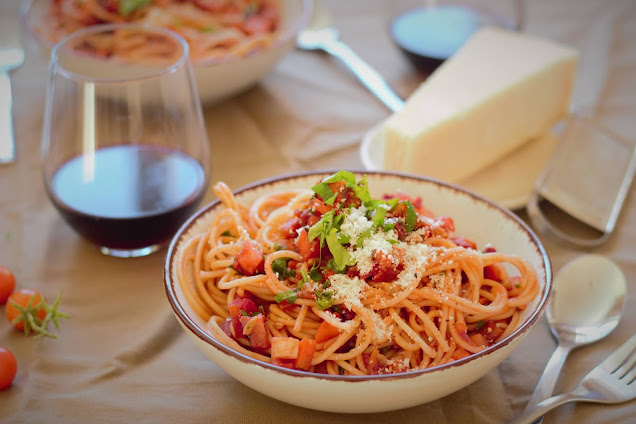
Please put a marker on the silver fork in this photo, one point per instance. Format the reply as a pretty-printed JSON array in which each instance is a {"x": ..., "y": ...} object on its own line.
[
  {"x": 11, "y": 56},
  {"x": 612, "y": 381},
  {"x": 321, "y": 35}
]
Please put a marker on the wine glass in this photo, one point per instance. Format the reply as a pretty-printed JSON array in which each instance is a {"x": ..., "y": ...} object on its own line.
[{"x": 124, "y": 146}]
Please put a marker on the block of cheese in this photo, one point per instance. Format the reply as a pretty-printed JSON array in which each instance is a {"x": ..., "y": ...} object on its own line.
[{"x": 499, "y": 90}]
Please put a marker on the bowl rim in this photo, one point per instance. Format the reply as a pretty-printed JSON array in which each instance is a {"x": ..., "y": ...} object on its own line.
[
  {"x": 196, "y": 330},
  {"x": 298, "y": 24}
]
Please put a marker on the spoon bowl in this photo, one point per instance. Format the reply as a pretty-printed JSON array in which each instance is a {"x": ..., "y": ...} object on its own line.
[
  {"x": 586, "y": 305},
  {"x": 587, "y": 300}
]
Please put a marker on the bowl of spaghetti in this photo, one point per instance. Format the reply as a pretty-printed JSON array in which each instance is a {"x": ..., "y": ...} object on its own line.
[
  {"x": 356, "y": 292},
  {"x": 232, "y": 44}
]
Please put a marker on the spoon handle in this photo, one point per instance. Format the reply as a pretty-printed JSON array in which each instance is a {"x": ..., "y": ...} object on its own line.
[
  {"x": 365, "y": 73},
  {"x": 548, "y": 379}
]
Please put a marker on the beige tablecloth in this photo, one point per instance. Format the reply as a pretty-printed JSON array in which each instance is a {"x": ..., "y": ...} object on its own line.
[{"x": 123, "y": 358}]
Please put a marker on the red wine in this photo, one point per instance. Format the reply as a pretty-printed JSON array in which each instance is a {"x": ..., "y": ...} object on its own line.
[
  {"x": 128, "y": 196},
  {"x": 430, "y": 35}
]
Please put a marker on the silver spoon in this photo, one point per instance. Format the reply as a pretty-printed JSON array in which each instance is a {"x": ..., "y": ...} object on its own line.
[
  {"x": 586, "y": 305},
  {"x": 320, "y": 34}
]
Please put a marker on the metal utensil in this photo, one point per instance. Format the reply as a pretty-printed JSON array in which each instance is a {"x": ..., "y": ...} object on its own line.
[
  {"x": 11, "y": 56},
  {"x": 321, "y": 35},
  {"x": 612, "y": 381},
  {"x": 586, "y": 305}
]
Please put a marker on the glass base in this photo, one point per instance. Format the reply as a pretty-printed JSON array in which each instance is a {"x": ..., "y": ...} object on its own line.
[{"x": 130, "y": 253}]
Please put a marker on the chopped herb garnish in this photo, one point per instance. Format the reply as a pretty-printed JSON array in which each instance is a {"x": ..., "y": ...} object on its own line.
[
  {"x": 362, "y": 190},
  {"x": 339, "y": 252},
  {"x": 410, "y": 218},
  {"x": 290, "y": 296},
  {"x": 316, "y": 275},
  {"x": 322, "y": 227},
  {"x": 325, "y": 193},
  {"x": 279, "y": 266},
  {"x": 226, "y": 234},
  {"x": 480, "y": 325},
  {"x": 324, "y": 300}
]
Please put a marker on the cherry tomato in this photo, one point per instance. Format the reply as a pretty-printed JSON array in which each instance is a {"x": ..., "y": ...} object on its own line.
[
  {"x": 7, "y": 284},
  {"x": 8, "y": 368},
  {"x": 22, "y": 297}
]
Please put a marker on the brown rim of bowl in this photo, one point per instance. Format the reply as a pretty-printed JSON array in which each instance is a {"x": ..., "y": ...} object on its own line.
[
  {"x": 298, "y": 25},
  {"x": 201, "y": 334}
]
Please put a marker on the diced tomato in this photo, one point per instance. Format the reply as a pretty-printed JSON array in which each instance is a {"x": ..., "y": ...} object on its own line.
[
  {"x": 244, "y": 304},
  {"x": 460, "y": 353},
  {"x": 489, "y": 249},
  {"x": 307, "y": 249},
  {"x": 289, "y": 228},
  {"x": 479, "y": 339},
  {"x": 465, "y": 243},
  {"x": 371, "y": 361},
  {"x": 447, "y": 223},
  {"x": 384, "y": 270},
  {"x": 462, "y": 330},
  {"x": 287, "y": 363},
  {"x": 306, "y": 350},
  {"x": 417, "y": 202},
  {"x": 249, "y": 260},
  {"x": 325, "y": 332},
  {"x": 400, "y": 229},
  {"x": 321, "y": 368},
  {"x": 491, "y": 331},
  {"x": 226, "y": 326},
  {"x": 259, "y": 338},
  {"x": 240, "y": 304},
  {"x": 495, "y": 272},
  {"x": 319, "y": 206},
  {"x": 285, "y": 347}
]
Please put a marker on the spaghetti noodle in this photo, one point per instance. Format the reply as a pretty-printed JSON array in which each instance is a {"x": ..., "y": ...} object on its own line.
[
  {"x": 333, "y": 281},
  {"x": 214, "y": 29}
]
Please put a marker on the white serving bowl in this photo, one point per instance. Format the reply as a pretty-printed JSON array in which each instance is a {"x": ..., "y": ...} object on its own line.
[
  {"x": 216, "y": 79},
  {"x": 475, "y": 218}
]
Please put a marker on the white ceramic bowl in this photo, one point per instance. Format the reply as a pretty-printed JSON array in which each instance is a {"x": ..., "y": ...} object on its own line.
[
  {"x": 475, "y": 217},
  {"x": 217, "y": 79}
]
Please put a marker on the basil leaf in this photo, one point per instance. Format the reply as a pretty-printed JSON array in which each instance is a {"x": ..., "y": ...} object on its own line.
[
  {"x": 346, "y": 176},
  {"x": 126, "y": 7},
  {"x": 380, "y": 213},
  {"x": 324, "y": 300},
  {"x": 324, "y": 192},
  {"x": 289, "y": 296},
  {"x": 321, "y": 228},
  {"x": 362, "y": 190},
  {"x": 340, "y": 254},
  {"x": 410, "y": 218}
]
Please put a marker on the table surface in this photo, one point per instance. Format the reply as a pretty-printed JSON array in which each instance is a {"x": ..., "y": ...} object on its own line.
[{"x": 122, "y": 356}]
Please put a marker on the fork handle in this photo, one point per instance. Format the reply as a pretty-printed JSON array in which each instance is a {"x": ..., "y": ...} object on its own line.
[
  {"x": 365, "y": 73},
  {"x": 7, "y": 142},
  {"x": 529, "y": 415},
  {"x": 548, "y": 380}
]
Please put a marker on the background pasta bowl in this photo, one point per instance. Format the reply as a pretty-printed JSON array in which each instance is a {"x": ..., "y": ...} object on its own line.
[
  {"x": 217, "y": 78},
  {"x": 475, "y": 218}
]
